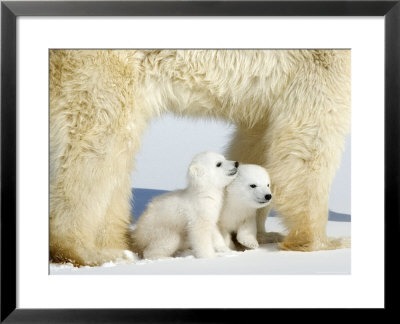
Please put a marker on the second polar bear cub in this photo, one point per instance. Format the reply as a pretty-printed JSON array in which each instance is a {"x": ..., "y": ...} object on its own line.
[
  {"x": 187, "y": 218},
  {"x": 248, "y": 192}
]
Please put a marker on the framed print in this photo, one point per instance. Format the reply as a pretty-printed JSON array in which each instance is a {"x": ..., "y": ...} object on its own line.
[{"x": 37, "y": 36}]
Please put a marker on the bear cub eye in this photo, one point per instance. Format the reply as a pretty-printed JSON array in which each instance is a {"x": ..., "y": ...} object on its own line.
[
  {"x": 219, "y": 164},
  {"x": 268, "y": 185},
  {"x": 253, "y": 186}
]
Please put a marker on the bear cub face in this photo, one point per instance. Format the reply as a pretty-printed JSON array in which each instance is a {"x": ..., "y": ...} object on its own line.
[
  {"x": 252, "y": 186},
  {"x": 212, "y": 170}
]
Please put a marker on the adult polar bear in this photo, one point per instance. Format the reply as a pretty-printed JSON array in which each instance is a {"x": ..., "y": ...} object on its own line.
[{"x": 291, "y": 109}]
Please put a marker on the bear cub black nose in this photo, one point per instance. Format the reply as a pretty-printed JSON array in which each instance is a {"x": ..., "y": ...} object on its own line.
[
  {"x": 268, "y": 197},
  {"x": 236, "y": 164}
]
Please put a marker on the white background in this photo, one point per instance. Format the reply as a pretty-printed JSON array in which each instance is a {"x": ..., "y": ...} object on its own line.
[{"x": 363, "y": 35}]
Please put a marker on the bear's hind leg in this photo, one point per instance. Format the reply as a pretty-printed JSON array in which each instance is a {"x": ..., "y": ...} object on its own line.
[{"x": 163, "y": 247}]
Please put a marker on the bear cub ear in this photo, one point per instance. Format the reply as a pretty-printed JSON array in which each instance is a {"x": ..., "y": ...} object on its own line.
[{"x": 196, "y": 170}]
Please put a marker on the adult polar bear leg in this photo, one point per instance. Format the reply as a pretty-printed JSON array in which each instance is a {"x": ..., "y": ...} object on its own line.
[
  {"x": 116, "y": 231},
  {"x": 94, "y": 132},
  {"x": 90, "y": 213},
  {"x": 87, "y": 230},
  {"x": 306, "y": 138},
  {"x": 300, "y": 144}
]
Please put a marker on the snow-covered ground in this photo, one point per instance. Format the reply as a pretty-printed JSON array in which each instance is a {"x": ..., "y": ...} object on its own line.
[{"x": 267, "y": 259}]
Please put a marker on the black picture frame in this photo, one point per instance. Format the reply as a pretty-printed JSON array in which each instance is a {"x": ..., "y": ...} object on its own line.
[{"x": 11, "y": 10}]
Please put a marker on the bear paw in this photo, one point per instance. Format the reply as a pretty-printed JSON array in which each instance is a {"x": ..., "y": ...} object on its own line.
[
  {"x": 248, "y": 242},
  {"x": 204, "y": 254},
  {"x": 222, "y": 248},
  {"x": 126, "y": 256}
]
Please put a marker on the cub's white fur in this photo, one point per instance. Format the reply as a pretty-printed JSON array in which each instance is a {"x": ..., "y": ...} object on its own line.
[
  {"x": 187, "y": 218},
  {"x": 250, "y": 191}
]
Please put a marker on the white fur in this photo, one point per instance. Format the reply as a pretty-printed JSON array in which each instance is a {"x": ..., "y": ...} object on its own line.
[
  {"x": 291, "y": 109},
  {"x": 250, "y": 191},
  {"x": 187, "y": 218}
]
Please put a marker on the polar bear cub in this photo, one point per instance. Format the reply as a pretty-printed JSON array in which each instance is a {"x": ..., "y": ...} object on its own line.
[
  {"x": 249, "y": 191},
  {"x": 187, "y": 218}
]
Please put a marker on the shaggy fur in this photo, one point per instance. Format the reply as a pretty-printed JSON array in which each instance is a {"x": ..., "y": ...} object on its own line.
[
  {"x": 187, "y": 218},
  {"x": 247, "y": 193},
  {"x": 291, "y": 109}
]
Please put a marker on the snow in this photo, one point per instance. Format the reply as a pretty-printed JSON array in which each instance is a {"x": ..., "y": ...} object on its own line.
[{"x": 267, "y": 259}]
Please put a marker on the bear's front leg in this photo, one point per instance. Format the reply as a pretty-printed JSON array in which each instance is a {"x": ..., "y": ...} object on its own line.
[
  {"x": 89, "y": 224},
  {"x": 227, "y": 236},
  {"x": 247, "y": 233},
  {"x": 201, "y": 238},
  {"x": 219, "y": 242}
]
